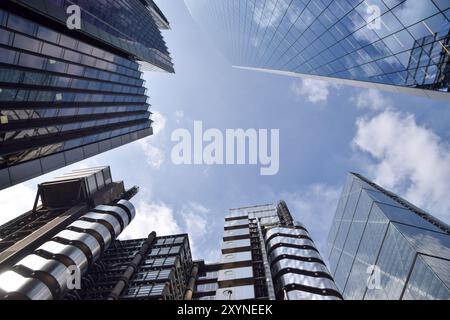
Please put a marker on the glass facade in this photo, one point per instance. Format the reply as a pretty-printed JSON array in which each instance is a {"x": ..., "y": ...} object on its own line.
[
  {"x": 64, "y": 96},
  {"x": 383, "y": 247},
  {"x": 390, "y": 44}
]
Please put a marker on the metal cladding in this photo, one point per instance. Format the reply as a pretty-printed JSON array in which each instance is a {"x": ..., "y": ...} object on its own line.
[
  {"x": 46, "y": 273},
  {"x": 298, "y": 270}
]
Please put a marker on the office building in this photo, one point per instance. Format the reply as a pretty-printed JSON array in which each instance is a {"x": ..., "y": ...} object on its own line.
[
  {"x": 81, "y": 214},
  {"x": 69, "y": 93},
  {"x": 266, "y": 256},
  {"x": 383, "y": 247},
  {"x": 400, "y": 46},
  {"x": 162, "y": 272}
]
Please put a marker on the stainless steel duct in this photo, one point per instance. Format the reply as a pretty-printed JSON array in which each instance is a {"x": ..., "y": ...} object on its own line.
[
  {"x": 297, "y": 268},
  {"x": 46, "y": 273}
]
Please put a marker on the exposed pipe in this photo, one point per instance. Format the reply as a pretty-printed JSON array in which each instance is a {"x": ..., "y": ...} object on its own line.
[
  {"x": 191, "y": 283},
  {"x": 42, "y": 274},
  {"x": 132, "y": 267}
]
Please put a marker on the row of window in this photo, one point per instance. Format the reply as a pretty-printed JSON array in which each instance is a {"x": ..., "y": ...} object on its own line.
[
  {"x": 52, "y": 96},
  {"x": 169, "y": 241},
  {"x": 146, "y": 291},
  {"x": 209, "y": 275},
  {"x": 79, "y": 125},
  {"x": 34, "y": 153},
  {"x": 160, "y": 262},
  {"x": 164, "y": 251},
  {"x": 30, "y": 114},
  {"x": 45, "y": 79},
  {"x": 155, "y": 275},
  {"x": 207, "y": 287}
]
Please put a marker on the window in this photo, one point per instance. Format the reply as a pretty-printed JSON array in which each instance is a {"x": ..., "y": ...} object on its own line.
[
  {"x": 26, "y": 43},
  {"x": 47, "y": 34},
  {"x": 31, "y": 61},
  {"x": 174, "y": 250},
  {"x": 21, "y": 24}
]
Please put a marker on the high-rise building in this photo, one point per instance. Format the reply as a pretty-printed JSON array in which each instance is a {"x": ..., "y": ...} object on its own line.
[
  {"x": 267, "y": 256},
  {"x": 383, "y": 247},
  {"x": 68, "y": 91},
  {"x": 43, "y": 250},
  {"x": 155, "y": 268},
  {"x": 400, "y": 46}
]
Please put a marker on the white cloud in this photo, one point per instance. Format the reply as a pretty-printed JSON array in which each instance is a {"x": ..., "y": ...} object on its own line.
[
  {"x": 316, "y": 91},
  {"x": 155, "y": 156},
  {"x": 409, "y": 159},
  {"x": 371, "y": 99},
  {"x": 159, "y": 123},
  {"x": 152, "y": 146},
  {"x": 155, "y": 216},
  {"x": 196, "y": 222},
  {"x": 15, "y": 201}
]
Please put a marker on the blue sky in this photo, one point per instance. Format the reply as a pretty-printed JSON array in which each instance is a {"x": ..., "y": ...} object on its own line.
[{"x": 401, "y": 142}]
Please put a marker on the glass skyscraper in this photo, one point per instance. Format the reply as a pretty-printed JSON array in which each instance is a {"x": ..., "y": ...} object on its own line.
[
  {"x": 395, "y": 45},
  {"x": 383, "y": 247},
  {"x": 66, "y": 95}
]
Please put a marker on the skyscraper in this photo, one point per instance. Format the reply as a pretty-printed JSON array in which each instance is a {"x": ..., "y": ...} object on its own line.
[
  {"x": 268, "y": 256},
  {"x": 68, "y": 94},
  {"x": 81, "y": 214},
  {"x": 383, "y": 247},
  {"x": 400, "y": 46}
]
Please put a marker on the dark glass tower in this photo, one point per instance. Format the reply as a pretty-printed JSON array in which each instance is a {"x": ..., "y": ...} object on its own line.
[
  {"x": 383, "y": 247},
  {"x": 396, "y": 45},
  {"x": 67, "y": 95}
]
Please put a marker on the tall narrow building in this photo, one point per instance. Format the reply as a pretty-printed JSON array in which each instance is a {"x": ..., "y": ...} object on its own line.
[
  {"x": 400, "y": 46},
  {"x": 266, "y": 256},
  {"x": 71, "y": 84},
  {"x": 383, "y": 247},
  {"x": 44, "y": 250}
]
